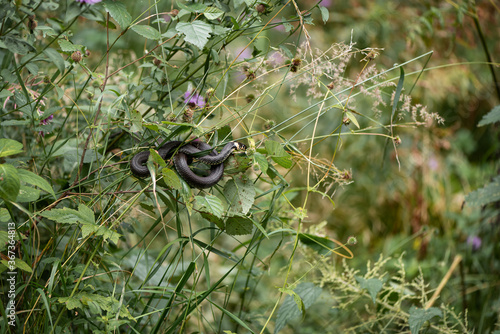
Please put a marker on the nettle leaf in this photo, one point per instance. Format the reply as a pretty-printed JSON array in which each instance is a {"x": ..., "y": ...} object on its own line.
[
  {"x": 34, "y": 179},
  {"x": 96, "y": 304},
  {"x": 212, "y": 13},
  {"x": 240, "y": 195},
  {"x": 289, "y": 310},
  {"x": 84, "y": 215},
  {"x": 17, "y": 45},
  {"x": 211, "y": 203},
  {"x": 278, "y": 154},
  {"x": 239, "y": 225},
  {"x": 419, "y": 316},
  {"x": 147, "y": 32},
  {"x": 67, "y": 46},
  {"x": 171, "y": 178},
  {"x": 9, "y": 182},
  {"x": 10, "y": 147},
  {"x": 492, "y": 117},
  {"x": 196, "y": 32},
  {"x": 118, "y": 12},
  {"x": 488, "y": 194},
  {"x": 372, "y": 285}
]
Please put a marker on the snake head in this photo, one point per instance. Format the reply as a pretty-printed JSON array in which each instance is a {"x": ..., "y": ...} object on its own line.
[{"x": 240, "y": 146}]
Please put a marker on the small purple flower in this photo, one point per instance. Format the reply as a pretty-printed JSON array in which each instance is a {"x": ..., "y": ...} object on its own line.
[
  {"x": 90, "y": 2},
  {"x": 474, "y": 241},
  {"x": 46, "y": 120},
  {"x": 194, "y": 99}
]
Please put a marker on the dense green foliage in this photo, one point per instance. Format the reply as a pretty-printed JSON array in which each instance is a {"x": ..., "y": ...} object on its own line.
[{"x": 366, "y": 201}]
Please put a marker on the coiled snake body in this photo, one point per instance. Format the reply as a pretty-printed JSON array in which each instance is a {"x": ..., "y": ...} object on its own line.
[{"x": 181, "y": 159}]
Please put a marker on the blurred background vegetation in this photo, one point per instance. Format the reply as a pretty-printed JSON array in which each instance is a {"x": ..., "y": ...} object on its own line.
[{"x": 400, "y": 202}]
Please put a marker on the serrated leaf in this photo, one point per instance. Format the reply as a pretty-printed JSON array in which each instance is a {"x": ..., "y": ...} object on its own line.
[
  {"x": 67, "y": 46},
  {"x": 84, "y": 215},
  {"x": 56, "y": 58},
  {"x": 171, "y": 178},
  {"x": 325, "y": 14},
  {"x": 239, "y": 225},
  {"x": 17, "y": 45},
  {"x": 147, "y": 32},
  {"x": 118, "y": 12},
  {"x": 10, "y": 147},
  {"x": 289, "y": 310},
  {"x": 211, "y": 203},
  {"x": 196, "y": 32},
  {"x": 36, "y": 180},
  {"x": 372, "y": 285},
  {"x": 240, "y": 195},
  {"x": 278, "y": 154},
  {"x": 9, "y": 183},
  {"x": 212, "y": 13},
  {"x": 491, "y": 117},
  {"x": 419, "y": 316},
  {"x": 488, "y": 194}
]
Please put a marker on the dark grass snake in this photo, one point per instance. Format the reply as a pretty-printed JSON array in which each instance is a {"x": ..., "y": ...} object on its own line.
[{"x": 203, "y": 152}]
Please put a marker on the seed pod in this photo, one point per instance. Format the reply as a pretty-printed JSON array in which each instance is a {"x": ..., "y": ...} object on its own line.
[
  {"x": 76, "y": 56},
  {"x": 260, "y": 8}
]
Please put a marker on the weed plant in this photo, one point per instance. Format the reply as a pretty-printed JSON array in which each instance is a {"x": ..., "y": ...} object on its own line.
[{"x": 88, "y": 247}]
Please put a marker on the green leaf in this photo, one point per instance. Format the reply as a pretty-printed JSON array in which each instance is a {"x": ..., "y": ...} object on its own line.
[
  {"x": 399, "y": 88},
  {"x": 4, "y": 215},
  {"x": 372, "y": 285},
  {"x": 212, "y": 13},
  {"x": 278, "y": 154},
  {"x": 240, "y": 195},
  {"x": 67, "y": 46},
  {"x": 84, "y": 215},
  {"x": 352, "y": 118},
  {"x": 171, "y": 178},
  {"x": 214, "y": 219},
  {"x": 10, "y": 147},
  {"x": 419, "y": 316},
  {"x": 118, "y": 12},
  {"x": 17, "y": 45},
  {"x": 196, "y": 32},
  {"x": 56, "y": 58},
  {"x": 239, "y": 225},
  {"x": 261, "y": 160},
  {"x": 492, "y": 117},
  {"x": 9, "y": 183},
  {"x": 289, "y": 310},
  {"x": 96, "y": 303},
  {"x": 320, "y": 244},
  {"x": 20, "y": 264},
  {"x": 325, "y": 14},
  {"x": 211, "y": 203},
  {"x": 147, "y": 32},
  {"x": 27, "y": 194},
  {"x": 488, "y": 194},
  {"x": 34, "y": 179},
  {"x": 155, "y": 157}
]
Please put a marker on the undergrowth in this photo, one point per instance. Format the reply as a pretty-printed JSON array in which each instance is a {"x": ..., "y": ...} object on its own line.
[{"x": 90, "y": 247}]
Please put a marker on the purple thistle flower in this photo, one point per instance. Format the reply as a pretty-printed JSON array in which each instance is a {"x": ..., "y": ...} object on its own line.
[
  {"x": 474, "y": 241},
  {"x": 90, "y": 2},
  {"x": 194, "y": 99}
]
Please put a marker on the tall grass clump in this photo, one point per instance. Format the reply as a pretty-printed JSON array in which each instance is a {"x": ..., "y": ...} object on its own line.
[{"x": 88, "y": 247}]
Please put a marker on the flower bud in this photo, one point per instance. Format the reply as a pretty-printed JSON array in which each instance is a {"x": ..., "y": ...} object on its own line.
[{"x": 76, "y": 56}]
